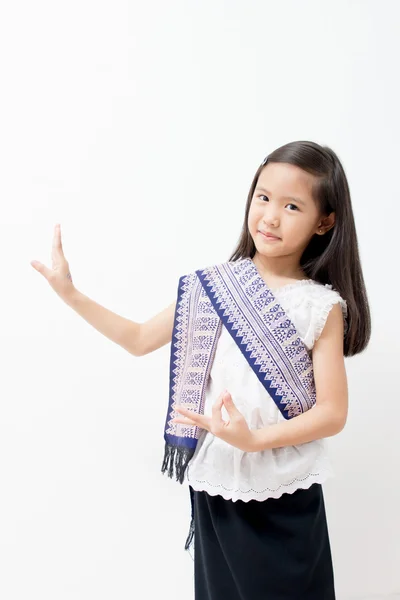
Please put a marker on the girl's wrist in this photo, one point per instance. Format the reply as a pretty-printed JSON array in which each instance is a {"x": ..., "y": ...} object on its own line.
[
  {"x": 261, "y": 439},
  {"x": 70, "y": 296}
]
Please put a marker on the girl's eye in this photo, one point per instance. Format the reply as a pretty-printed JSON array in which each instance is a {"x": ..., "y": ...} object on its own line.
[{"x": 293, "y": 205}]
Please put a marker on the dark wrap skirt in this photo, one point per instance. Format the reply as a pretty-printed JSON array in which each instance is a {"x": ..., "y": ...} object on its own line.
[{"x": 277, "y": 549}]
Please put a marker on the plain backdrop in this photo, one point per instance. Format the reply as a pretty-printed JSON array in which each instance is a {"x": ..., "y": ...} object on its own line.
[{"x": 139, "y": 126}]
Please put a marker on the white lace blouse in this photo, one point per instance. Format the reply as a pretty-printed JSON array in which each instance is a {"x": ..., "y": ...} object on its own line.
[{"x": 219, "y": 468}]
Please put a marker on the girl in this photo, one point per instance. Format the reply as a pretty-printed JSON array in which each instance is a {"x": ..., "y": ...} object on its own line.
[{"x": 258, "y": 378}]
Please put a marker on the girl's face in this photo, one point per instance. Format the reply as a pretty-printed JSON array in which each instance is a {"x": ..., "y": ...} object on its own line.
[{"x": 282, "y": 205}]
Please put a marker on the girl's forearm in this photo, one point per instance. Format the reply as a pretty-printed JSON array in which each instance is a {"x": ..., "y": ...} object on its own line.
[
  {"x": 318, "y": 422},
  {"x": 123, "y": 332}
]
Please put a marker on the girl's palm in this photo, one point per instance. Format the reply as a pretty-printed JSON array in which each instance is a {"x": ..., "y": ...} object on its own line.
[{"x": 58, "y": 276}]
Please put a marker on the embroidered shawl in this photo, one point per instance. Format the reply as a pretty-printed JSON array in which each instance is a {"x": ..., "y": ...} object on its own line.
[{"x": 233, "y": 295}]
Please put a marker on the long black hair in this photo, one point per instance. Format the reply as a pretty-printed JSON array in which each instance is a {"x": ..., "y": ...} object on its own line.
[{"x": 332, "y": 258}]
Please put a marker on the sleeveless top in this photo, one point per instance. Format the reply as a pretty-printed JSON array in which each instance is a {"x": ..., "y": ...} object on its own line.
[{"x": 221, "y": 469}]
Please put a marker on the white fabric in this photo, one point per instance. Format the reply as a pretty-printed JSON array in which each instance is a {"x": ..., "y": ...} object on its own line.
[{"x": 219, "y": 468}]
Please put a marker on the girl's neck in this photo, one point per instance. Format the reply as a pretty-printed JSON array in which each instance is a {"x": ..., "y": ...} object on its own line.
[{"x": 278, "y": 269}]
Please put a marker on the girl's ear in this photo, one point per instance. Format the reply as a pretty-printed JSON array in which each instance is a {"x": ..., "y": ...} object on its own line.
[{"x": 326, "y": 223}]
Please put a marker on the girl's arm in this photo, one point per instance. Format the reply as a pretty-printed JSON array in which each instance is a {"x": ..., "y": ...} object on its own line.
[
  {"x": 137, "y": 338},
  {"x": 328, "y": 416}
]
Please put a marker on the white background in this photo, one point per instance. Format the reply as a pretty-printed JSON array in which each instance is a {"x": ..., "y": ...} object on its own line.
[{"x": 138, "y": 126}]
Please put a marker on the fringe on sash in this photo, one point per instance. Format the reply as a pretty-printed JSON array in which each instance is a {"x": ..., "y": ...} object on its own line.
[
  {"x": 190, "y": 536},
  {"x": 176, "y": 458}
]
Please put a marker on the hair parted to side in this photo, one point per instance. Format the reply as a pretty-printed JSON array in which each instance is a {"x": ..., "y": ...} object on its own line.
[{"x": 332, "y": 258}]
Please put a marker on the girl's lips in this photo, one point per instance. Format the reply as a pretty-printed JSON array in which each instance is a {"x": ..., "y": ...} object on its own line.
[{"x": 269, "y": 236}]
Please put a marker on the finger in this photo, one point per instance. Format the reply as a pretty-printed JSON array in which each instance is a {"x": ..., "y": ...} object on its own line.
[
  {"x": 185, "y": 412},
  {"x": 57, "y": 244},
  {"x": 230, "y": 406},
  {"x": 199, "y": 420},
  {"x": 184, "y": 421},
  {"x": 202, "y": 422},
  {"x": 60, "y": 240},
  {"x": 219, "y": 402},
  {"x": 217, "y": 419},
  {"x": 45, "y": 271}
]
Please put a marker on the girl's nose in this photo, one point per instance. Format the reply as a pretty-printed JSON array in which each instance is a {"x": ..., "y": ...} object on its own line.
[{"x": 271, "y": 219}]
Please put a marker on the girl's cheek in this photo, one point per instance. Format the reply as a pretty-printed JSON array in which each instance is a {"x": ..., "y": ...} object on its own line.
[
  {"x": 252, "y": 226},
  {"x": 254, "y": 215},
  {"x": 254, "y": 219}
]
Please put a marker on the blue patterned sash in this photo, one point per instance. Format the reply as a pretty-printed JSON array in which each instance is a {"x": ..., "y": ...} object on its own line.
[{"x": 232, "y": 294}]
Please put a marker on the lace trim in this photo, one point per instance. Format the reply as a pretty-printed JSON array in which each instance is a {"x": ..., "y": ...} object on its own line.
[
  {"x": 259, "y": 495},
  {"x": 325, "y": 312},
  {"x": 295, "y": 284},
  {"x": 300, "y": 283}
]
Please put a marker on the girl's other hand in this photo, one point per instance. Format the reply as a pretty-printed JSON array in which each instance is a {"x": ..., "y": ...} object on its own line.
[
  {"x": 59, "y": 276},
  {"x": 235, "y": 432}
]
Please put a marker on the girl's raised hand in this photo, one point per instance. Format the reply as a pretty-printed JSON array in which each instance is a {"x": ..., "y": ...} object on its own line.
[{"x": 59, "y": 276}]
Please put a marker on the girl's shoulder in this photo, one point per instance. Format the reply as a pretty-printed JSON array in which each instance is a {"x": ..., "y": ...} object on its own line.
[
  {"x": 310, "y": 291},
  {"x": 310, "y": 302}
]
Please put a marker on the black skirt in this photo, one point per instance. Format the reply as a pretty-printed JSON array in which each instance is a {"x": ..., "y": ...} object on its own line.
[{"x": 277, "y": 549}]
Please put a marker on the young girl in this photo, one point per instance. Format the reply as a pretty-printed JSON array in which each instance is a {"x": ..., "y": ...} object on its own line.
[{"x": 258, "y": 378}]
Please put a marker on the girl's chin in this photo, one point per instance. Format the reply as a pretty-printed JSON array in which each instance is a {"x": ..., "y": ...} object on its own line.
[{"x": 270, "y": 249}]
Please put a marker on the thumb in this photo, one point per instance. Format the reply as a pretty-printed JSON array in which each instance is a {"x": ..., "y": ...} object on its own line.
[{"x": 45, "y": 271}]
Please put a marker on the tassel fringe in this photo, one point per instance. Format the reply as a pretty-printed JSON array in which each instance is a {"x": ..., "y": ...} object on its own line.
[
  {"x": 176, "y": 458},
  {"x": 190, "y": 536}
]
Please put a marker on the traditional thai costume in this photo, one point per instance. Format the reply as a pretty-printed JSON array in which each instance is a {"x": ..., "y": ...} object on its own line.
[{"x": 233, "y": 332}]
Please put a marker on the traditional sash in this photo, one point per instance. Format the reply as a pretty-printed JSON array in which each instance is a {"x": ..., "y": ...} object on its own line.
[{"x": 235, "y": 295}]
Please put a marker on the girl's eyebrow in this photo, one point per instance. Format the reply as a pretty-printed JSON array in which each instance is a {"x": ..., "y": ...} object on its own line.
[{"x": 299, "y": 200}]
